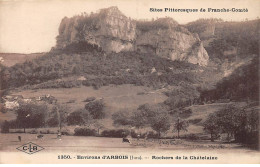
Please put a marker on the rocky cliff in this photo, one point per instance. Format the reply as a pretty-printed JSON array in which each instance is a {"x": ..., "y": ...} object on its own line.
[
  {"x": 229, "y": 44},
  {"x": 165, "y": 38},
  {"x": 109, "y": 29},
  {"x": 114, "y": 32}
]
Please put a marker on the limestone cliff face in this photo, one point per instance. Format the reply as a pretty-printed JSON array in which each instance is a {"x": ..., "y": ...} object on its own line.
[
  {"x": 171, "y": 41},
  {"x": 109, "y": 29},
  {"x": 113, "y": 31}
]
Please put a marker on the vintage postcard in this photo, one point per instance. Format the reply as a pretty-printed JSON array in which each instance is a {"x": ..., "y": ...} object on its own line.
[{"x": 129, "y": 81}]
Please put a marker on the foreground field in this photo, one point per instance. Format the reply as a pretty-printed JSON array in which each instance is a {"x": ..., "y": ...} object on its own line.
[{"x": 9, "y": 143}]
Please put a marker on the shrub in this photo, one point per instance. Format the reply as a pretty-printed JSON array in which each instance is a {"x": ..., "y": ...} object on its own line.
[
  {"x": 160, "y": 123},
  {"x": 34, "y": 131},
  {"x": 30, "y": 115},
  {"x": 58, "y": 116},
  {"x": 18, "y": 131},
  {"x": 71, "y": 101},
  {"x": 65, "y": 132},
  {"x": 190, "y": 137},
  {"x": 5, "y": 127},
  {"x": 152, "y": 135},
  {"x": 47, "y": 131},
  {"x": 79, "y": 117},
  {"x": 84, "y": 132},
  {"x": 195, "y": 121},
  {"x": 89, "y": 99},
  {"x": 134, "y": 135},
  {"x": 96, "y": 109},
  {"x": 2, "y": 108},
  {"x": 115, "y": 133},
  {"x": 122, "y": 117},
  {"x": 185, "y": 113},
  {"x": 245, "y": 137}
]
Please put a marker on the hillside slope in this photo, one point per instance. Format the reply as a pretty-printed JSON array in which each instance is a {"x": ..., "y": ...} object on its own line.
[
  {"x": 227, "y": 41},
  {"x": 242, "y": 84},
  {"x": 101, "y": 69},
  {"x": 10, "y": 59}
]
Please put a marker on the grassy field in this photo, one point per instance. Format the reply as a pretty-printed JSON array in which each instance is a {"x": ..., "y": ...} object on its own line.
[
  {"x": 117, "y": 98},
  {"x": 9, "y": 142},
  {"x": 202, "y": 112}
]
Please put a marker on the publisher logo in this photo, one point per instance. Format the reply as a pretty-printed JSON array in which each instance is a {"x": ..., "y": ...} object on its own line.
[{"x": 30, "y": 148}]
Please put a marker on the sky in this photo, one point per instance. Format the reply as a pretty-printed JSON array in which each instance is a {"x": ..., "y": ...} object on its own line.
[{"x": 30, "y": 26}]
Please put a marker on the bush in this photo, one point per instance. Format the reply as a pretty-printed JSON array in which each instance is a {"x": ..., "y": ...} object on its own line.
[
  {"x": 134, "y": 134},
  {"x": 245, "y": 137},
  {"x": 58, "y": 116},
  {"x": 65, "y": 132},
  {"x": 18, "y": 131},
  {"x": 84, "y": 132},
  {"x": 190, "y": 137},
  {"x": 115, "y": 133},
  {"x": 34, "y": 131},
  {"x": 89, "y": 99},
  {"x": 185, "y": 113},
  {"x": 47, "y": 131},
  {"x": 122, "y": 117},
  {"x": 5, "y": 127},
  {"x": 31, "y": 115},
  {"x": 2, "y": 108},
  {"x": 79, "y": 117},
  {"x": 195, "y": 121},
  {"x": 152, "y": 135},
  {"x": 71, "y": 101},
  {"x": 96, "y": 109}
]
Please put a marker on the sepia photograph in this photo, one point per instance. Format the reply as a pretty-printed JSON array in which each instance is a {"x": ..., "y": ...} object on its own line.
[{"x": 126, "y": 82}]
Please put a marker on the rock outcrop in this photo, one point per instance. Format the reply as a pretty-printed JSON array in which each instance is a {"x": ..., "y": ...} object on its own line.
[
  {"x": 167, "y": 39},
  {"x": 114, "y": 32},
  {"x": 109, "y": 29}
]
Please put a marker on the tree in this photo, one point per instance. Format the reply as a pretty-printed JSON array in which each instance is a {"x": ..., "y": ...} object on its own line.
[
  {"x": 96, "y": 109},
  {"x": 237, "y": 122},
  {"x": 160, "y": 123},
  {"x": 211, "y": 126},
  {"x": 253, "y": 120},
  {"x": 30, "y": 115},
  {"x": 98, "y": 126},
  {"x": 76, "y": 70},
  {"x": 138, "y": 119},
  {"x": 57, "y": 116},
  {"x": 231, "y": 119},
  {"x": 79, "y": 117},
  {"x": 145, "y": 113},
  {"x": 5, "y": 127},
  {"x": 249, "y": 132},
  {"x": 122, "y": 117},
  {"x": 154, "y": 116},
  {"x": 180, "y": 125},
  {"x": 2, "y": 108},
  {"x": 4, "y": 77}
]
